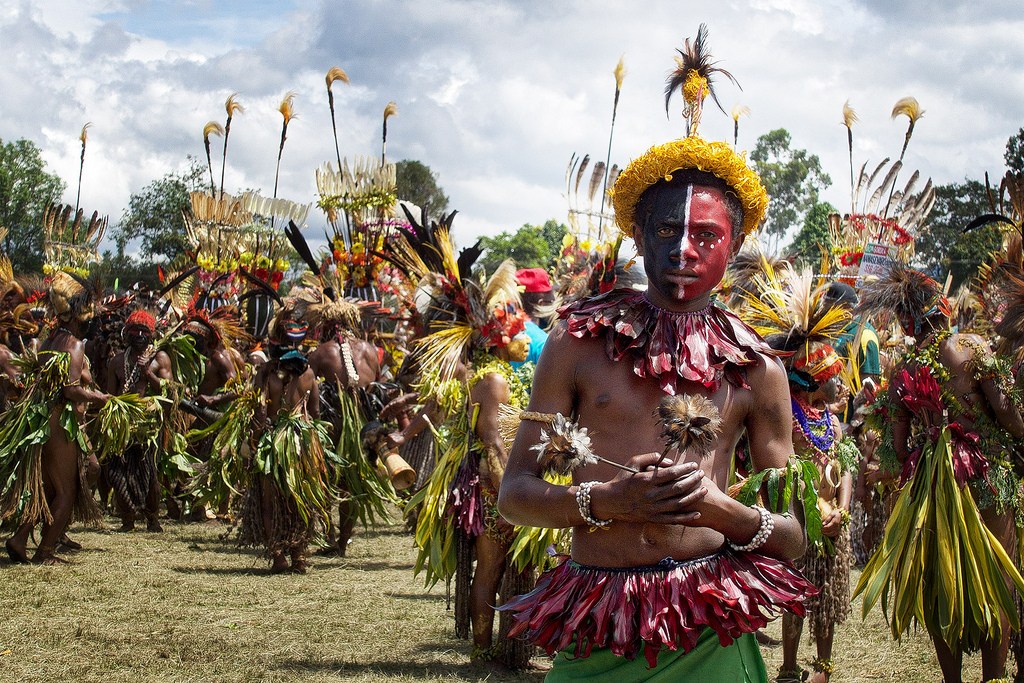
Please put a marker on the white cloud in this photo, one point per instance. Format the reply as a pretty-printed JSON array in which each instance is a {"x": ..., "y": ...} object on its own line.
[{"x": 494, "y": 96}]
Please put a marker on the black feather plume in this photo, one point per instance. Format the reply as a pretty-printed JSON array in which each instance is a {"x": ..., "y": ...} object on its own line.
[{"x": 695, "y": 56}]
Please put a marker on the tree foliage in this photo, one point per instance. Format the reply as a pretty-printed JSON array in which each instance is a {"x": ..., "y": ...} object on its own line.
[
  {"x": 1014, "y": 154},
  {"x": 418, "y": 184},
  {"x": 944, "y": 247},
  {"x": 532, "y": 246},
  {"x": 554, "y": 232},
  {"x": 154, "y": 214},
  {"x": 792, "y": 177},
  {"x": 120, "y": 269},
  {"x": 25, "y": 190},
  {"x": 813, "y": 236}
]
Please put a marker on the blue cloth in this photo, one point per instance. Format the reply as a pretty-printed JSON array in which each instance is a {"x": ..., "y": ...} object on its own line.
[{"x": 537, "y": 339}]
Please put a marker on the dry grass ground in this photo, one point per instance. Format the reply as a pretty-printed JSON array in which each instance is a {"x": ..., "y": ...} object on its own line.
[{"x": 186, "y": 606}]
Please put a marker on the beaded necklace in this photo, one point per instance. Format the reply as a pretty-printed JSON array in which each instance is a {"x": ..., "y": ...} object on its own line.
[{"x": 810, "y": 427}]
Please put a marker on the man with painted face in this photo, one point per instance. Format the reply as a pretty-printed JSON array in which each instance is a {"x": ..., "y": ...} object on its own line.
[
  {"x": 138, "y": 369},
  {"x": 674, "y": 569}
]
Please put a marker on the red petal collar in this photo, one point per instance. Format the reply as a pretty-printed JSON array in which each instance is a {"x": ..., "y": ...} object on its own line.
[{"x": 703, "y": 346}]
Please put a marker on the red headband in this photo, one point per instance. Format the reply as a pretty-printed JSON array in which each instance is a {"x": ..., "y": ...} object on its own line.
[{"x": 141, "y": 318}]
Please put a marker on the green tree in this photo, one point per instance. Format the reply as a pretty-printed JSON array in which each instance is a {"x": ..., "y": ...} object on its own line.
[
  {"x": 944, "y": 247},
  {"x": 121, "y": 269},
  {"x": 154, "y": 214},
  {"x": 25, "y": 190},
  {"x": 1014, "y": 154},
  {"x": 527, "y": 247},
  {"x": 806, "y": 246},
  {"x": 553, "y": 232},
  {"x": 792, "y": 177},
  {"x": 418, "y": 184}
]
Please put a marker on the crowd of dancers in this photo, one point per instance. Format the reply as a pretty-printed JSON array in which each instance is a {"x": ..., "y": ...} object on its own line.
[{"x": 800, "y": 419}]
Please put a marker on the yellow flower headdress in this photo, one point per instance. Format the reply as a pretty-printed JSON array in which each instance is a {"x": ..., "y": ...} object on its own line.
[{"x": 693, "y": 76}]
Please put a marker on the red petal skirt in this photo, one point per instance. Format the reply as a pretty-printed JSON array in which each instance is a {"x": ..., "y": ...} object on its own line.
[{"x": 664, "y": 605}]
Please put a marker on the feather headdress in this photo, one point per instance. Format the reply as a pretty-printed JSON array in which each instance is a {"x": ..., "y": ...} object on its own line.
[
  {"x": 8, "y": 283},
  {"x": 906, "y": 293},
  {"x": 236, "y": 254},
  {"x": 881, "y": 211},
  {"x": 693, "y": 74},
  {"x": 997, "y": 281},
  {"x": 70, "y": 242},
  {"x": 466, "y": 312},
  {"x": 223, "y": 326},
  {"x": 71, "y": 297},
  {"x": 1011, "y": 327},
  {"x": 359, "y": 201},
  {"x": 324, "y": 315},
  {"x": 748, "y": 264},
  {"x": 791, "y": 312},
  {"x": 587, "y": 211}
]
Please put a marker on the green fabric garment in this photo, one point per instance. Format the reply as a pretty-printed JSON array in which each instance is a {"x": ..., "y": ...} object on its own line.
[{"x": 708, "y": 662}]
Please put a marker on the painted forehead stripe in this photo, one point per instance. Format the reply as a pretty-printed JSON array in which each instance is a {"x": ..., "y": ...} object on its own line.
[{"x": 686, "y": 211}]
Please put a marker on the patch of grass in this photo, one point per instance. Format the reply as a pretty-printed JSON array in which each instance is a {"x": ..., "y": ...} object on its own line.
[{"x": 185, "y": 606}]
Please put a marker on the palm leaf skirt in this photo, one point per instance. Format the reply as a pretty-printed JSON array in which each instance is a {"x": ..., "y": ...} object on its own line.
[{"x": 938, "y": 564}]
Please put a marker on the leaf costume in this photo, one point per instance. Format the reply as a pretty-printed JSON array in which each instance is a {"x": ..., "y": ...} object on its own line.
[
  {"x": 938, "y": 564},
  {"x": 289, "y": 472},
  {"x": 25, "y": 429}
]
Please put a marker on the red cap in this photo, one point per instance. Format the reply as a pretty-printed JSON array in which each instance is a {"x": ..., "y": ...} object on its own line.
[{"x": 534, "y": 279}]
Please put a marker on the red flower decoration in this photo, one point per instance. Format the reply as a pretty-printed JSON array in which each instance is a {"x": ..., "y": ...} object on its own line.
[
  {"x": 900, "y": 236},
  {"x": 851, "y": 258},
  {"x": 919, "y": 392}
]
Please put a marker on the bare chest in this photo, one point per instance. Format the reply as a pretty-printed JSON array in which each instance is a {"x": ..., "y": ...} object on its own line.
[{"x": 620, "y": 411}]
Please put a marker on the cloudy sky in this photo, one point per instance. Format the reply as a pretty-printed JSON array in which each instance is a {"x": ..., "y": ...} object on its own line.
[{"x": 495, "y": 96}]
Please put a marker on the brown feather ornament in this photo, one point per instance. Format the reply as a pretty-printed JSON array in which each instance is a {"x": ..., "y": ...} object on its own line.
[{"x": 689, "y": 422}]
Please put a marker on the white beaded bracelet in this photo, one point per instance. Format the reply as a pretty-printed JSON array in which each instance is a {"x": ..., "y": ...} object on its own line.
[
  {"x": 763, "y": 532},
  {"x": 583, "y": 500}
]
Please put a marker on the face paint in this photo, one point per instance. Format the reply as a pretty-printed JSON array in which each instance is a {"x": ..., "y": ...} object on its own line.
[
  {"x": 137, "y": 338},
  {"x": 686, "y": 245}
]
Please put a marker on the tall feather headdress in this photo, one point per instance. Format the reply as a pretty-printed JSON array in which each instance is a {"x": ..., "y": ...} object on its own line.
[{"x": 882, "y": 211}]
